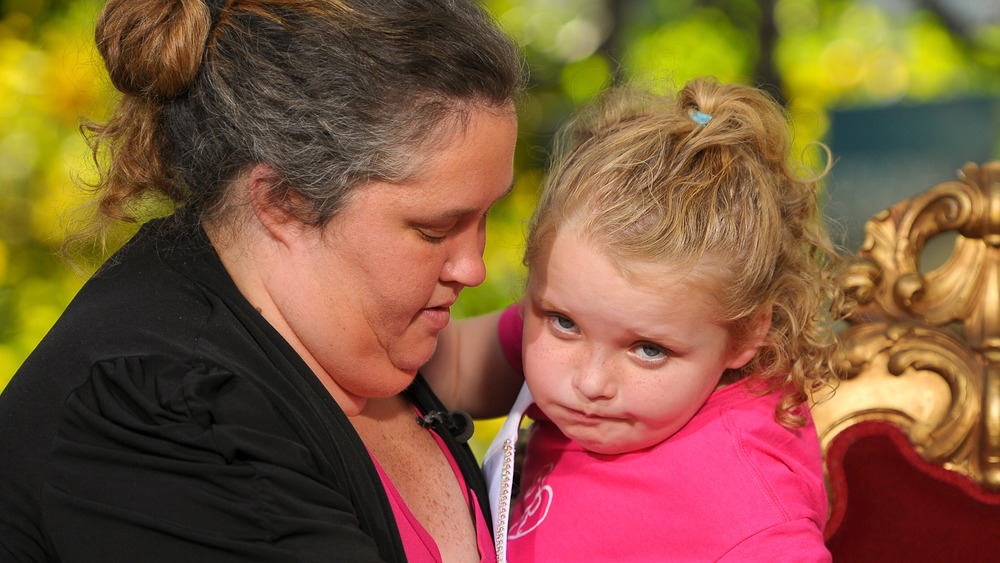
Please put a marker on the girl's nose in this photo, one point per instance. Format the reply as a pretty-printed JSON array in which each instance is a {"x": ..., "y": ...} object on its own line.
[{"x": 594, "y": 379}]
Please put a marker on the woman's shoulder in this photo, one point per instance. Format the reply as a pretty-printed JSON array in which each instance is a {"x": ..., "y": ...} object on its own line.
[
  {"x": 164, "y": 293},
  {"x": 195, "y": 453},
  {"x": 147, "y": 350},
  {"x": 164, "y": 406}
]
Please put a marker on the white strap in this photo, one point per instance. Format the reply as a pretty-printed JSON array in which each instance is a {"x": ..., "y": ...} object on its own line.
[{"x": 498, "y": 468}]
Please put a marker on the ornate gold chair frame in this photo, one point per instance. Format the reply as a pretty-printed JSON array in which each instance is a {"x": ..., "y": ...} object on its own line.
[{"x": 924, "y": 346}]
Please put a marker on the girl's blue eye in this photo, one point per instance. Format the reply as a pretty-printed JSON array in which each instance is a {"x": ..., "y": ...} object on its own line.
[
  {"x": 648, "y": 352},
  {"x": 562, "y": 322}
]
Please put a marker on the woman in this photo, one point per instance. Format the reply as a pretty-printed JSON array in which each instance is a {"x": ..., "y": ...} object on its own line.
[{"x": 240, "y": 382}]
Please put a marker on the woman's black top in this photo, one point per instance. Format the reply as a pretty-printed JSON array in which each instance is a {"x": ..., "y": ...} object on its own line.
[{"x": 163, "y": 419}]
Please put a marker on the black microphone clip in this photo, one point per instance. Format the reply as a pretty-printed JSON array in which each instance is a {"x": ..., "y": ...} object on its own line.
[{"x": 457, "y": 423}]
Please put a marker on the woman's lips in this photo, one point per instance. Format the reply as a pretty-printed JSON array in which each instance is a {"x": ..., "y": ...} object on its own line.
[{"x": 437, "y": 317}]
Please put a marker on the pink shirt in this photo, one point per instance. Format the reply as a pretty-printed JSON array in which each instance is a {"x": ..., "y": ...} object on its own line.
[
  {"x": 731, "y": 485},
  {"x": 417, "y": 543}
]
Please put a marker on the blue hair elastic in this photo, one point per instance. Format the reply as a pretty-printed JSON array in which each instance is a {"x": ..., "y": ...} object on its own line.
[{"x": 700, "y": 118}]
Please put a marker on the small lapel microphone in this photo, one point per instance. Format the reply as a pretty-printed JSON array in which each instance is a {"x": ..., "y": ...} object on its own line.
[{"x": 457, "y": 423}]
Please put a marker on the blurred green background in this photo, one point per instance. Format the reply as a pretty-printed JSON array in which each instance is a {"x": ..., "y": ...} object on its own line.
[{"x": 895, "y": 87}]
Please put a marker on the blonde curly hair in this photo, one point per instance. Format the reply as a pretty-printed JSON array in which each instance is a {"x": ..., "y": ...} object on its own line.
[{"x": 648, "y": 179}]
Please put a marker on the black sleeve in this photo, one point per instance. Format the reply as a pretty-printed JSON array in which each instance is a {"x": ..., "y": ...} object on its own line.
[{"x": 155, "y": 461}]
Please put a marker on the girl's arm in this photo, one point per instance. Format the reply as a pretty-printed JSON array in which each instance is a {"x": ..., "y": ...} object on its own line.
[{"x": 469, "y": 370}]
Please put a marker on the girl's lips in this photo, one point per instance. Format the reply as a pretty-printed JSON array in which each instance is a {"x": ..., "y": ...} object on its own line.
[{"x": 581, "y": 417}]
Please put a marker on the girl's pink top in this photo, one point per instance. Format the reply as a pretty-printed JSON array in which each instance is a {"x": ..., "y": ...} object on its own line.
[{"x": 731, "y": 485}]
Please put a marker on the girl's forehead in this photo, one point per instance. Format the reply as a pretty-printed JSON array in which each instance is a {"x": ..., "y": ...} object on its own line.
[
  {"x": 672, "y": 275},
  {"x": 657, "y": 264},
  {"x": 650, "y": 270},
  {"x": 578, "y": 279}
]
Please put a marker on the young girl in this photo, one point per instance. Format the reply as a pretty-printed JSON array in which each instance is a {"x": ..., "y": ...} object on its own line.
[{"x": 672, "y": 326}]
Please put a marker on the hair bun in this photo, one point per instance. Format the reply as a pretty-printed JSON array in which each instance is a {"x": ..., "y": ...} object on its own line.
[{"x": 153, "y": 49}]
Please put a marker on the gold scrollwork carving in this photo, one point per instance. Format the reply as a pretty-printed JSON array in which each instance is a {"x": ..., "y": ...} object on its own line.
[{"x": 924, "y": 347}]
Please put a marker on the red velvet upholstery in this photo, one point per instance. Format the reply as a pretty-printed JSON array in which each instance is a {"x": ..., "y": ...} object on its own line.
[{"x": 891, "y": 505}]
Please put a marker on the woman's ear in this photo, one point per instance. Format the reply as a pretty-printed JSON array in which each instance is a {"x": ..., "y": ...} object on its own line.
[
  {"x": 270, "y": 203},
  {"x": 752, "y": 340}
]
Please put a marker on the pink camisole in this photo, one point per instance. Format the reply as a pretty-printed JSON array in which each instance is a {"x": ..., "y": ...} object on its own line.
[{"x": 418, "y": 544}]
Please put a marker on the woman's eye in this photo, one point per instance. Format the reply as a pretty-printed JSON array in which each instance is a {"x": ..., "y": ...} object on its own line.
[{"x": 431, "y": 236}]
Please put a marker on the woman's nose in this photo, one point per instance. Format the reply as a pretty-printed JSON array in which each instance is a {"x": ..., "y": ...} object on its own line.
[{"x": 466, "y": 266}]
